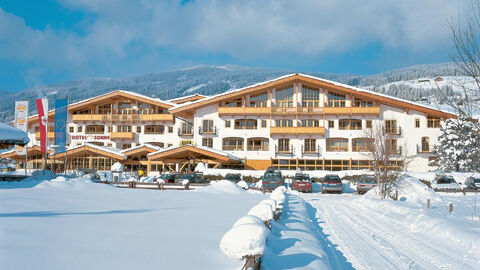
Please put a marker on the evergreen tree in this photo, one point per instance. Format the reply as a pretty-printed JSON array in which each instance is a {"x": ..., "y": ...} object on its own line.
[{"x": 458, "y": 147}]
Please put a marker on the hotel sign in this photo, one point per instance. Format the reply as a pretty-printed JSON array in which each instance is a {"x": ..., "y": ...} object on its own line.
[{"x": 90, "y": 137}]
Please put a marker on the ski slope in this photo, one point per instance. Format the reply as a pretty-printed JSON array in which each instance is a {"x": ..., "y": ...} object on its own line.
[{"x": 374, "y": 234}]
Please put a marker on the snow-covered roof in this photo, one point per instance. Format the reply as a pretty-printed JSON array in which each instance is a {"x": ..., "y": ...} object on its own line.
[
  {"x": 358, "y": 89},
  {"x": 12, "y": 135},
  {"x": 219, "y": 152},
  {"x": 185, "y": 97},
  {"x": 101, "y": 148},
  {"x": 140, "y": 146}
]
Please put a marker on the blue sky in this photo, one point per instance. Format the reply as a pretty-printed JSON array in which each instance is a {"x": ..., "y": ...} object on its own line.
[{"x": 50, "y": 41}]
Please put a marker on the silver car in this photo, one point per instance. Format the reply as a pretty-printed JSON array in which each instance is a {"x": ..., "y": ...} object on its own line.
[{"x": 365, "y": 183}]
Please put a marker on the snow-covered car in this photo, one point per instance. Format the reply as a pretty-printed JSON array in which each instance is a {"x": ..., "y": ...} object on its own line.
[
  {"x": 192, "y": 177},
  {"x": 302, "y": 182},
  {"x": 445, "y": 183},
  {"x": 168, "y": 177},
  {"x": 472, "y": 183},
  {"x": 272, "y": 179},
  {"x": 233, "y": 177},
  {"x": 331, "y": 183},
  {"x": 365, "y": 183}
]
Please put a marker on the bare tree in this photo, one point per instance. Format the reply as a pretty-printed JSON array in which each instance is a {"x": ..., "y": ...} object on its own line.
[
  {"x": 389, "y": 159},
  {"x": 466, "y": 55}
]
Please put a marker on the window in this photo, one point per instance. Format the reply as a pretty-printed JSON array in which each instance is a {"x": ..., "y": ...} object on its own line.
[
  {"x": 79, "y": 129},
  {"x": 425, "y": 144},
  {"x": 186, "y": 129},
  {"x": 362, "y": 103},
  {"x": 336, "y": 100},
  {"x": 259, "y": 100},
  {"x": 391, "y": 127},
  {"x": 417, "y": 123},
  {"x": 284, "y": 145},
  {"x": 95, "y": 129},
  {"x": 139, "y": 129},
  {"x": 246, "y": 124},
  {"x": 227, "y": 123},
  {"x": 369, "y": 123},
  {"x": 126, "y": 145},
  {"x": 125, "y": 107},
  {"x": 105, "y": 109},
  {"x": 208, "y": 142},
  {"x": 83, "y": 112},
  {"x": 207, "y": 126},
  {"x": 310, "y": 123},
  {"x": 337, "y": 145},
  {"x": 71, "y": 129},
  {"x": 361, "y": 144},
  {"x": 109, "y": 129},
  {"x": 392, "y": 145},
  {"x": 433, "y": 122},
  {"x": 144, "y": 108},
  {"x": 125, "y": 128},
  {"x": 284, "y": 123},
  {"x": 232, "y": 144},
  {"x": 170, "y": 129},
  {"x": 169, "y": 145},
  {"x": 331, "y": 124},
  {"x": 264, "y": 123},
  {"x": 310, "y": 96},
  {"x": 284, "y": 97},
  {"x": 309, "y": 146},
  {"x": 154, "y": 129},
  {"x": 257, "y": 144},
  {"x": 109, "y": 144},
  {"x": 234, "y": 103},
  {"x": 350, "y": 124}
]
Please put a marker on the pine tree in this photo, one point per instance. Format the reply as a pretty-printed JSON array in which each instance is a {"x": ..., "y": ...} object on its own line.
[{"x": 458, "y": 147}]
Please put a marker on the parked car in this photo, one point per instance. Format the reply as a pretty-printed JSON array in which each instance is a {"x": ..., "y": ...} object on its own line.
[
  {"x": 233, "y": 177},
  {"x": 302, "y": 182},
  {"x": 192, "y": 177},
  {"x": 365, "y": 183},
  {"x": 443, "y": 182},
  {"x": 168, "y": 177},
  {"x": 472, "y": 183},
  {"x": 331, "y": 183},
  {"x": 272, "y": 179}
]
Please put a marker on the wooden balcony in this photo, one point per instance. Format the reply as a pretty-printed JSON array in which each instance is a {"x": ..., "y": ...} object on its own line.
[
  {"x": 352, "y": 110},
  {"x": 123, "y": 117},
  {"x": 297, "y": 130},
  {"x": 50, "y": 135},
  {"x": 244, "y": 110},
  {"x": 284, "y": 110},
  {"x": 310, "y": 110},
  {"x": 122, "y": 135}
]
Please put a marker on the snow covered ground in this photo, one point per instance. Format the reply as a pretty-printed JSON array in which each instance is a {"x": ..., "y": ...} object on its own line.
[
  {"x": 78, "y": 224},
  {"x": 386, "y": 234}
]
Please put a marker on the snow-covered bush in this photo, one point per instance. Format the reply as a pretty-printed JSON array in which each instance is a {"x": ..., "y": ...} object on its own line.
[
  {"x": 458, "y": 147},
  {"x": 278, "y": 197},
  {"x": 117, "y": 167},
  {"x": 262, "y": 211},
  {"x": 248, "y": 219},
  {"x": 244, "y": 240},
  {"x": 242, "y": 184},
  {"x": 279, "y": 190},
  {"x": 270, "y": 202}
]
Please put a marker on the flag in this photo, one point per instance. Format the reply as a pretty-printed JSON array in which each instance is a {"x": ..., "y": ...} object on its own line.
[
  {"x": 60, "y": 124},
  {"x": 21, "y": 122},
  {"x": 42, "y": 108}
]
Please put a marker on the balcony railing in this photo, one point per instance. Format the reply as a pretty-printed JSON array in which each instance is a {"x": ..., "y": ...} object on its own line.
[
  {"x": 207, "y": 131},
  {"x": 310, "y": 110},
  {"x": 424, "y": 150},
  {"x": 122, "y": 135},
  {"x": 283, "y": 151},
  {"x": 298, "y": 110},
  {"x": 306, "y": 151},
  {"x": 284, "y": 110},
  {"x": 123, "y": 117},
  {"x": 187, "y": 132},
  {"x": 352, "y": 110},
  {"x": 244, "y": 110},
  {"x": 393, "y": 131},
  {"x": 298, "y": 130}
]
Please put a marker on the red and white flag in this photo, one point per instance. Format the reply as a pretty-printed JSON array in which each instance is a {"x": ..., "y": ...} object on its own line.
[{"x": 42, "y": 107}]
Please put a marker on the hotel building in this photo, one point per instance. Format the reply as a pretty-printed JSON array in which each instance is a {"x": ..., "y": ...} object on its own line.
[{"x": 295, "y": 122}]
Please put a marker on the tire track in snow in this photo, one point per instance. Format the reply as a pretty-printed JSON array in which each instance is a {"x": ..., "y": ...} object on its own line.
[{"x": 372, "y": 241}]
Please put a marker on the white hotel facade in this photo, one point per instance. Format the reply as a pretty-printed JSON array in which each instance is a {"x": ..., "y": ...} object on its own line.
[{"x": 295, "y": 122}]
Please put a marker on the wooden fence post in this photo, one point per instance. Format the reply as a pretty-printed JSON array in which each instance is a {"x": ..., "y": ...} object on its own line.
[
  {"x": 187, "y": 186},
  {"x": 252, "y": 262},
  {"x": 464, "y": 190},
  {"x": 428, "y": 203},
  {"x": 450, "y": 208},
  {"x": 396, "y": 195}
]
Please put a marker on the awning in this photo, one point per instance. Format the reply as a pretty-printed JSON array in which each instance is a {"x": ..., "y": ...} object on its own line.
[{"x": 187, "y": 152}]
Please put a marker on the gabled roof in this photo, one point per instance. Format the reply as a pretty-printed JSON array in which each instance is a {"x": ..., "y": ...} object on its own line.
[
  {"x": 13, "y": 152},
  {"x": 182, "y": 152},
  {"x": 105, "y": 151},
  {"x": 140, "y": 148},
  {"x": 291, "y": 78},
  {"x": 181, "y": 100}
]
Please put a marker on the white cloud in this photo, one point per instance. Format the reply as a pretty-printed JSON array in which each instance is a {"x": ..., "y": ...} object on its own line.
[{"x": 244, "y": 29}]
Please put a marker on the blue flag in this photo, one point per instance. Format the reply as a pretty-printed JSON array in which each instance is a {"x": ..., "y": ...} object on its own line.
[{"x": 61, "y": 124}]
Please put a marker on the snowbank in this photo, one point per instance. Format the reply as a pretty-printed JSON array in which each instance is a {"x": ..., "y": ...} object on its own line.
[
  {"x": 272, "y": 203},
  {"x": 279, "y": 190},
  {"x": 262, "y": 211},
  {"x": 117, "y": 167},
  {"x": 248, "y": 219},
  {"x": 40, "y": 175},
  {"x": 243, "y": 240},
  {"x": 278, "y": 197},
  {"x": 221, "y": 186},
  {"x": 287, "y": 173},
  {"x": 242, "y": 184}
]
